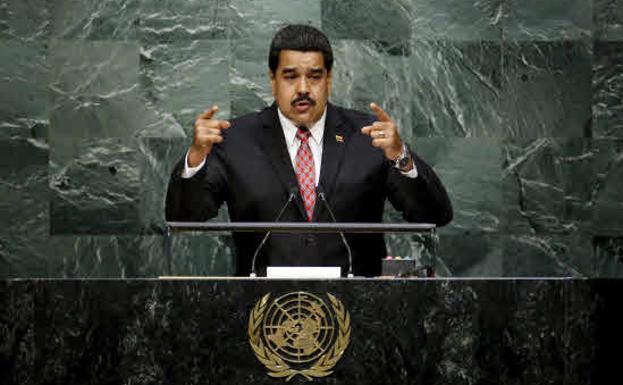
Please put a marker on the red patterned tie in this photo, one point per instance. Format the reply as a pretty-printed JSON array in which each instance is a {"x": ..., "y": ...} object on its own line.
[{"x": 305, "y": 172}]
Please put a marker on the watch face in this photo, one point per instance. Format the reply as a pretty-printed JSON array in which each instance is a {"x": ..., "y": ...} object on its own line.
[{"x": 404, "y": 162}]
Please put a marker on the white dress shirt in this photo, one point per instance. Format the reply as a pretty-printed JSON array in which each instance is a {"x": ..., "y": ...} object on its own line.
[{"x": 293, "y": 143}]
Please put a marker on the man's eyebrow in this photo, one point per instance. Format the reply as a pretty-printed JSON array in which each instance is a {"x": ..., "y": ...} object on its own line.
[
  {"x": 317, "y": 70},
  {"x": 289, "y": 70}
]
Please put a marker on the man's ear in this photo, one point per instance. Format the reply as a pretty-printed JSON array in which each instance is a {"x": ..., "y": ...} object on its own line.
[
  {"x": 271, "y": 77},
  {"x": 330, "y": 80}
]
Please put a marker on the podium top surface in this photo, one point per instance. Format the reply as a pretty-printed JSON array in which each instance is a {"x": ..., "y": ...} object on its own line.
[{"x": 303, "y": 227}]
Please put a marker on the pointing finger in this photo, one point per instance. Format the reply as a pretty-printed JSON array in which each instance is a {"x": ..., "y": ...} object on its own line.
[
  {"x": 380, "y": 113},
  {"x": 207, "y": 114},
  {"x": 223, "y": 124}
]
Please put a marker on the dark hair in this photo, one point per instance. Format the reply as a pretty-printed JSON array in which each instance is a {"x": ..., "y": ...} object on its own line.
[{"x": 298, "y": 37}]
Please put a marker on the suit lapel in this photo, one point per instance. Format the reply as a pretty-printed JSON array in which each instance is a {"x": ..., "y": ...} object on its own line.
[
  {"x": 335, "y": 139},
  {"x": 274, "y": 145}
]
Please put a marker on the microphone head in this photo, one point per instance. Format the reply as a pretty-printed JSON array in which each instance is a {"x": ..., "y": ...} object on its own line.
[
  {"x": 320, "y": 192},
  {"x": 292, "y": 191}
]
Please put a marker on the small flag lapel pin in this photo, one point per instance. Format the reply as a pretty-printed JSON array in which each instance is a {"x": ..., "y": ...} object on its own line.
[{"x": 339, "y": 138}]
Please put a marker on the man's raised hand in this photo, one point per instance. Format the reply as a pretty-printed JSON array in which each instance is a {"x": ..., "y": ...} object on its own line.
[
  {"x": 384, "y": 133},
  {"x": 208, "y": 131}
]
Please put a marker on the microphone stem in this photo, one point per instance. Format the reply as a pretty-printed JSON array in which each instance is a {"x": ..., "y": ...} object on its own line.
[
  {"x": 348, "y": 251},
  {"x": 257, "y": 250}
]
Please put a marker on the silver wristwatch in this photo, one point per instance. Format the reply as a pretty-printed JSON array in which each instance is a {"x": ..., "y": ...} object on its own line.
[{"x": 403, "y": 159}]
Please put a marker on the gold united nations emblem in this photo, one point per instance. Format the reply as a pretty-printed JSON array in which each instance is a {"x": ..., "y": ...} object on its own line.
[{"x": 298, "y": 333}]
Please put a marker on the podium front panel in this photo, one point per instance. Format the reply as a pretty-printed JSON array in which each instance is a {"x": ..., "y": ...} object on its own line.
[{"x": 418, "y": 331}]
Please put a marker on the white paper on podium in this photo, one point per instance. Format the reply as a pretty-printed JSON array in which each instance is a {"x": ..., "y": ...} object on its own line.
[{"x": 303, "y": 272}]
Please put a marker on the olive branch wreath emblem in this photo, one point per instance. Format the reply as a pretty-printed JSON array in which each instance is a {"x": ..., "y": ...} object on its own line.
[{"x": 277, "y": 367}]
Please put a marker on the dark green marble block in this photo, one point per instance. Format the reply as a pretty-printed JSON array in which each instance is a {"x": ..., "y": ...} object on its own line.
[{"x": 402, "y": 331}]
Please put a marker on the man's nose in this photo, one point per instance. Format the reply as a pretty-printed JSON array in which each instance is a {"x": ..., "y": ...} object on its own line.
[{"x": 303, "y": 86}]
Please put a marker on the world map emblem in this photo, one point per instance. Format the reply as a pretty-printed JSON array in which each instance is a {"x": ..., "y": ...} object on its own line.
[{"x": 299, "y": 333}]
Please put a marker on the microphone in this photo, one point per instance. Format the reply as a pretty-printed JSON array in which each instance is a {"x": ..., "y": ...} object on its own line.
[
  {"x": 291, "y": 196},
  {"x": 322, "y": 197}
]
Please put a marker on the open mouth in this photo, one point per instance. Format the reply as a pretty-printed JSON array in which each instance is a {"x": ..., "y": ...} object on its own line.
[{"x": 302, "y": 106}]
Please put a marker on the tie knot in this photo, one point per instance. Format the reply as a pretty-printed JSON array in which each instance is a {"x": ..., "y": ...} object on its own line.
[{"x": 303, "y": 133}]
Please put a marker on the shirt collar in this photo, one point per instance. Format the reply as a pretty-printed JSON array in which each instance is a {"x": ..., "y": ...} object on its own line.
[{"x": 289, "y": 128}]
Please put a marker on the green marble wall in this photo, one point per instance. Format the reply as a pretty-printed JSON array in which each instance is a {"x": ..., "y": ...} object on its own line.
[{"x": 517, "y": 104}]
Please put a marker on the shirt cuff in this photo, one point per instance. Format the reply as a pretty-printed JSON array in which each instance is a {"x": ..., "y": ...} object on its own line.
[
  {"x": 189, "y": 172},
  {"x": 411, "y": 173}
]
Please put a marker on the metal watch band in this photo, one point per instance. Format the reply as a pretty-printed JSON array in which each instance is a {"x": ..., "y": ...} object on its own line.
[{"x": 403, "y": 159}]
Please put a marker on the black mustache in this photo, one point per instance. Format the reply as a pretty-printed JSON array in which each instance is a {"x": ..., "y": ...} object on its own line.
[{"x": 304, "y": 98}]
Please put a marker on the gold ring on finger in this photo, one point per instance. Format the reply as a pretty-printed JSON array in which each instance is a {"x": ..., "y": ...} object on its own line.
[{"x": 381, "y": 134}]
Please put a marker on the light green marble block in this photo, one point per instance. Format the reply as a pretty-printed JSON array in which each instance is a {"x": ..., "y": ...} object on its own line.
[{"x": 517, "y": 105}]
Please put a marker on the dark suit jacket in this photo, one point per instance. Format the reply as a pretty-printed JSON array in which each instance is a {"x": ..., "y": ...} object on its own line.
[{"x": 252, "y": 173}]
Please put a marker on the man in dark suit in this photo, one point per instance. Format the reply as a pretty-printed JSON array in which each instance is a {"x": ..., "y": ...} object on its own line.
[{"x": 297, "y": 147}]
